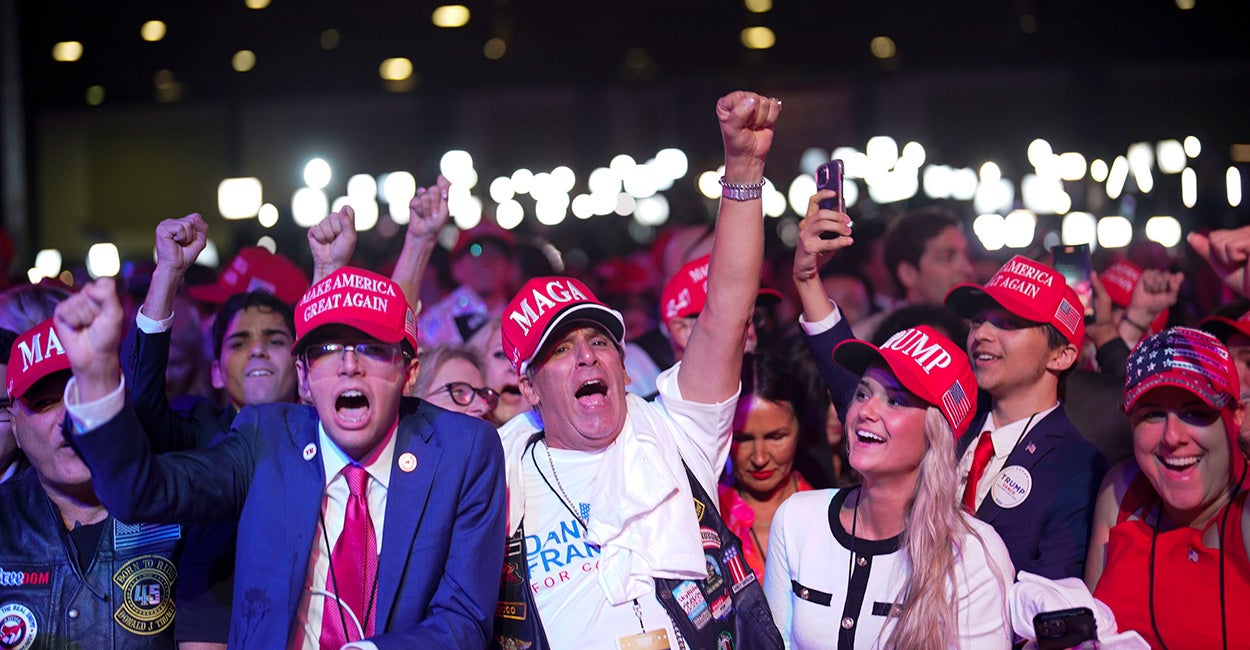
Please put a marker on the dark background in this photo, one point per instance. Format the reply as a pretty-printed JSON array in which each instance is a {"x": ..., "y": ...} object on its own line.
[{"x": 582, "y": 81}]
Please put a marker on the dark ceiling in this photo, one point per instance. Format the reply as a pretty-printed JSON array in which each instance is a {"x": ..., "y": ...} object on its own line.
[{"x": 567, "y": 42}]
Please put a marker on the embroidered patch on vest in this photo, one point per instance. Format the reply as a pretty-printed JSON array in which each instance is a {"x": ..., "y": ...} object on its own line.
[
  {"x": 131, "y": 536},
  {"x": 514, "y": 611},
  {"x": 740, "y": 574},
  {"x": 147, "y": 604},
  {"x": 18, "y": 627}
]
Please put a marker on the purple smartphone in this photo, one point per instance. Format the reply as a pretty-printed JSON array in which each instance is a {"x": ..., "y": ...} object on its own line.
[{"x": 829, "y": 177}]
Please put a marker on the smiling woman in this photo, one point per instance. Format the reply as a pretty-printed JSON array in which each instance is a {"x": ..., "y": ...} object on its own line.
[
  {"x": 1168, "y": 527},
  {"x": 898, "y": 562}
]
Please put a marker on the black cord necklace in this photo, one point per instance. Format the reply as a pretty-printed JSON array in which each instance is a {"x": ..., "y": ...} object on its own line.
[{"x": 1235, "y": 489}]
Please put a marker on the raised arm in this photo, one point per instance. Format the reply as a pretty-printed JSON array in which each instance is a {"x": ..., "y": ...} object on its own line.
[
  {"x": 178, "y": 243},
  {"x": 809, "y": 255},
  {"x": 1228, "y": 253},
  {"x": 332, "y": 242},
  {"x": 427, "y": 214},
  {"x": 134, "y": 483},
  {"x": 713, "y": 359},
  {"x": 812, "y": 252}
]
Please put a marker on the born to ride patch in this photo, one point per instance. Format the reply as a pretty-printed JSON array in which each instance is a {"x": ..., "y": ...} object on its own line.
[{"x": 146, "y": 603}]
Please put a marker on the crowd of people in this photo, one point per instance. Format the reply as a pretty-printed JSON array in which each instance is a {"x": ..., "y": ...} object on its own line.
[{"x": 877, "y": 440}]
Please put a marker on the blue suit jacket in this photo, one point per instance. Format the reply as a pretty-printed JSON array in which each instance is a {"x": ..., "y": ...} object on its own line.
[
  {"x": 441, "y": 551},
  {"x": 1048, "y": 533}
]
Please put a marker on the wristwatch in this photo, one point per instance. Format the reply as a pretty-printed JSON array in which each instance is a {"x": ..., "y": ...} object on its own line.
[{"x": 741, "y": 191}]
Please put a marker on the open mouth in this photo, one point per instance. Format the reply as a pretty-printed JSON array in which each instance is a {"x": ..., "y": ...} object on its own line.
[
  {"x": 592, "y": 394},
  {"x": 352, "y": 406},
  {"x": 510, "y": 389},
  {"x": 258, "y": 372},
  {"x": 1180, "y": 464},
  {"x": 869, "y": 438}
]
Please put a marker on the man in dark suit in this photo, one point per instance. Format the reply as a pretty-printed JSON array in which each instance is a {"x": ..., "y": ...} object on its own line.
[
  {"x": 1030, "y": 474},
  {"x": 366, "y": 520}
]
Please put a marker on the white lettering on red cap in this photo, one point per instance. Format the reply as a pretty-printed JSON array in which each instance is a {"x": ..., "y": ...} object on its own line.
[
  {"x": 1022, "y": 287},
  {"x": 1029, "y": 271},
  {"x": 545, "y": 298},
  {"x": 325, "y": 304},
  {"x": 36, "y": 352},
  {"x": 915, "y": 344},
  {"x": 350, "y": 281},
  {"x": 699, "y": 273}
]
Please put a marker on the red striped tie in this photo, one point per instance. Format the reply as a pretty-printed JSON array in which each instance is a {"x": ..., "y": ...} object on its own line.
[{"x": 353, "y": 569}]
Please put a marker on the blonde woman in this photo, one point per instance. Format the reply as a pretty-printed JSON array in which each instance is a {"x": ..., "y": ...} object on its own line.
[{"x": 893, "y": 563}]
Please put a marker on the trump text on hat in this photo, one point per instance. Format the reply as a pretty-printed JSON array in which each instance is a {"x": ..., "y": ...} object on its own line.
[{"x": 915, "y": 344}]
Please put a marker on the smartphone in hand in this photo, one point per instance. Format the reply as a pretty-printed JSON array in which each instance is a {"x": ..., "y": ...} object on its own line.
[
  {"x": 1066, "y": 628},
  {"x": 829, "y": 177},
  {"x": 1073, "y": 262}
]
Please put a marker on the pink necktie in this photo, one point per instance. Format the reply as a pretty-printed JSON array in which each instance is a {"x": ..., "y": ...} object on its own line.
[
  {"x": 353, "y": 569},
  {"x": 980, "y": 460}
]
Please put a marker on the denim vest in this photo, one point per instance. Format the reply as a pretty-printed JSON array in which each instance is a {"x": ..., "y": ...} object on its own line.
[
  {"x": 724, "y": 611},
  {"x": 123, "y": 601}
]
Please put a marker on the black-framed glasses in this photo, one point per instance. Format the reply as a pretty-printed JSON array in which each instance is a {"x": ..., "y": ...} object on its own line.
[
  {"x": 462, "y": 393},
  {"x": 372, "y": 351}
]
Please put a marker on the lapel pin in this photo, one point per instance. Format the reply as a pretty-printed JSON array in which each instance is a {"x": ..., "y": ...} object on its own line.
[
  {"x": 407, "y": 461},
  {"x": 1031, "y": 448},
  {"x": 310, "y": 450}
]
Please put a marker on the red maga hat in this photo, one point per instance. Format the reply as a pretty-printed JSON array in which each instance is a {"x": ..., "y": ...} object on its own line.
[
  {"x": 925, "y": 363},
  {"x": 255, "y": 268},
  {"x": 544, "y": 304},
  {"x": 35, "y": 354},
  {"x": 1028, "y": 289},
  {"x": 362, "y": 299}
]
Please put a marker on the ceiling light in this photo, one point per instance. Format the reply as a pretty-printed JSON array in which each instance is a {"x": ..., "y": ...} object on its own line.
[
  {"x": 152, "y": 31},
  {"x": 758, "y": 38},
  {"x": 67, "y": 51},
  {"x": 450, "y": 16},
  {"x": 243, "y": 61},
  {"x": 396, "y": 69}
]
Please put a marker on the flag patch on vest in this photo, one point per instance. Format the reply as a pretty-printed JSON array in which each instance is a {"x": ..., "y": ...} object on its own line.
[{"x": 131, "y": 536}]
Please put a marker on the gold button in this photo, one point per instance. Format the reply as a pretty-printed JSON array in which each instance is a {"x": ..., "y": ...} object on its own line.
[
  {"x": 848, "y": 623},
  {"x": 862, "y": 562}
]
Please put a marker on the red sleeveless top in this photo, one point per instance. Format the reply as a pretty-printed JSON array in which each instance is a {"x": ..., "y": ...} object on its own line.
[{"x": 1187, "y": 599}]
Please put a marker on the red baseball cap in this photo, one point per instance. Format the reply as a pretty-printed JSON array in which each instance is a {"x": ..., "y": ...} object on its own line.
[
  {"x": 686, "y": 292},
  {"x": 362, "y": 299},
  {"x": 1028, "y": 289},
  {"x": 1119, "y": 280},
  {"x": 1223, "y": 327},
  {"x": 544, "y": 304},
  {"x": 485, "y": 230},
  {"x": 255, "y": 268},
  {"x": 927, "y": 364},
  {"x": 35, "y": 354}
]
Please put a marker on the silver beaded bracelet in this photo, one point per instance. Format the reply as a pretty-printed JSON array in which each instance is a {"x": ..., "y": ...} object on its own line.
[{"x": 741, "y": 191}]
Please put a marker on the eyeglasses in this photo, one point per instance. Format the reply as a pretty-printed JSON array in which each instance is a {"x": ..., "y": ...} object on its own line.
[
  {"x": 378, "y": 352},
  {"x": 462, "y": 393}
]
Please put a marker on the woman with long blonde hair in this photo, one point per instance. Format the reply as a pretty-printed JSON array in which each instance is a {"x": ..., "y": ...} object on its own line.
[{"x": 893, "y": 563}]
